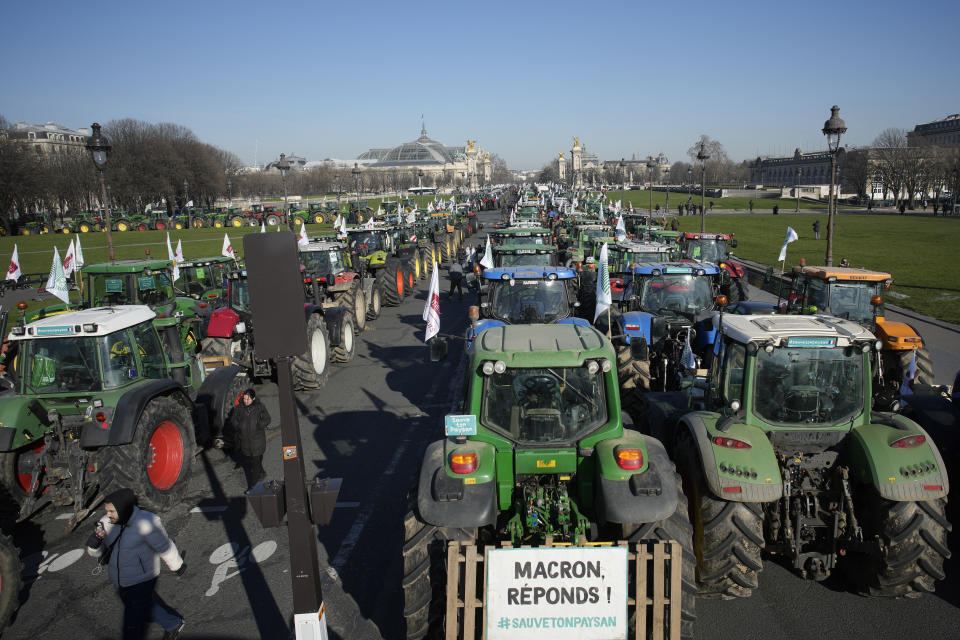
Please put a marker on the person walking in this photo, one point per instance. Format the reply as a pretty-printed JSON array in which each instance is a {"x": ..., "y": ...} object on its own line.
[
  {"x": 456, "y": 279},
  {"x": 711, "y": 206},
  {"x": 776, "y": 210},
  {"x": 816, "y": 229},
  {"x": 249, "y": 420},
  {"x": 133, "y": 542},
  {"x": 751, "y": 206}
]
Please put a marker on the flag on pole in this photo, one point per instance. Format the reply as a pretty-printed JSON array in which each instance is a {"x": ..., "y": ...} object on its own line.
[
  {"x": 342, "y": 231},
  {"x": 79, "y": 255},
  {"x": 431, "y": 310},
  {"x": 170, "y": 254},
  {"x": 69, "y": 260},
  {"x": 302, "y": 240},
  {"x": 13, "y": 271},
  {"x": 604, "y": 297},
  {"x": 227, "y": 249},
  {"x": 621, "y": 229},
  {"x": 263, "y": 227},
  {"x": 487, "y": 261},
  {"x": 189, "y": 204},
  {"x": 906, "y": 387},
  {"x": 791, "y": 236},
  {"x": 178, "y": 254},
  {"x": 57, "y": 281}
]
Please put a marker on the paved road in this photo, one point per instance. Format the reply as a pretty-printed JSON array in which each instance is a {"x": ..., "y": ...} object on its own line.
[{"x": 370, "y": 425}]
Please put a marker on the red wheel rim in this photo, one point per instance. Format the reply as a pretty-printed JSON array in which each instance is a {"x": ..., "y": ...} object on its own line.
[
  {"x": 142, "y": 227},
  {"x": 23, "y": 479},
  {"x": 399, "y": 282},
  {"x": 161, "y": 226},
  {"x": 410, "y": 280},
  {"x": 165, "y": 455}
]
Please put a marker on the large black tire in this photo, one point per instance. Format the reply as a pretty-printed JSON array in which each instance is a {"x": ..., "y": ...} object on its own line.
[
  {"x": 424, "y": 574},
  {"x": 15, "y": 485},
  {"x": 354, "y": 300},
  {"x": 634, "y": 377},
  {"x": 914, "y": 535},
  {"x": 344, "y": 352},
  {"x": 156, "y": 464},
  {"x": 677, "y": 527},
  {"x": 737, "y": 292},
  {"x": 410, "y": 279},
  {"x": 924, "y": 371},
  {"x": 312, "y": 368},
  {"x": 10, "y": 570},
  {"x": 391, "y": 283},
  {"x": 238, "y": 384},
  {"x": 375, "y": 304},
  {"x": 445, "y": 249},
  {"x": 727, "y": 536}
]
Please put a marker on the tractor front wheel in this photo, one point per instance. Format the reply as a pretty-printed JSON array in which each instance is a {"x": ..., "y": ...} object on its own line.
[
  {"x": 727, "y": 536},
  {"x": 424, "y": 580},
  {"x": 272, "y": 220},
  {"x": 344, "y": 352},
  {"x": 634, "y": 376},
  {"x": 373, "y": 311},
  {"x": 354, "y": 300},
  {"x": 391, "y": 283},
  {"x": 312, "y": 368},
  {"x": 156, "y": 464}
]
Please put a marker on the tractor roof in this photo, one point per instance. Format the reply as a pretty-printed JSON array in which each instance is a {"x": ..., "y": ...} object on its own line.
[
  {"x": 542, "y": 345},
  {"x": 127, "y": 266},
  {"x": 323, "y": 245},
  {"x": 780, "y": 329},
  {"x": 842, "y": 273},
  {"x": 201, "y": 262},
  {"x": 529, "y": 272},
  {"x": 98, "y": 321},
  {"x": 664, "y": 268},
  {"x": 688, "y": 235},
  {"x": 520, "y": 230},
  {"x": 520, "y": 247},
  {"x": 646, "y": 247}
]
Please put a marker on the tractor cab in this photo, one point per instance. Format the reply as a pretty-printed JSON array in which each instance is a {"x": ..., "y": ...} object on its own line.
[
  {"x": 202, "y": 279},
  {"x": 845, "y": 292},
  {"x": 706, "y": 247},
  {"x": 522, "y": 235},
  {"x": 123, "y": 282},
  {"x": 516, "y": 254}
]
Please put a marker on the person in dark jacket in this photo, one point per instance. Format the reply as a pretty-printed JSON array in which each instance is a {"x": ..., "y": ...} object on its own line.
[
  {"x": 135, "y": 542},
  {"x": 249, "y": 421}
]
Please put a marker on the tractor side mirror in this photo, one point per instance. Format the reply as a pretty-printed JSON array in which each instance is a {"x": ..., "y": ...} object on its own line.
[
  {"x": 733, "y": 243},
  {"x": 768, "y": 275},
  {"x": 638, "y": 348},
  {"x": 438, "y": 349}
]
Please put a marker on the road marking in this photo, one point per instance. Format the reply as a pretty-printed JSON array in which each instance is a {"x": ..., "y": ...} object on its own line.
[
  {"x": 64, "y": 516},
  {"x": 227, "y": 557},
  {"x": 211, "y": 509}
]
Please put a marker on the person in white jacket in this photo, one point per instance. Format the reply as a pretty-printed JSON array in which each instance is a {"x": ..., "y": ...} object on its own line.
[{"x": 134, "y": 542}]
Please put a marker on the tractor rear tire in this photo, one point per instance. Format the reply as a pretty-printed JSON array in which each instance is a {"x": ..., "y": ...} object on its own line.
[
  {"x": 344, "y": 352},
  {"x": 727, "y": 536},
  {"x": 678, "y": 528},
  {"x": 373, "y": 310},
  {"x": 156, "y": 464},
  {"x": 272, "y": 220},
  {"x": 914, "y": 535},
  {"x": 411, "y": 278},
  {"x": 445, "y": 250},
  {"x": 737, "y": 292},
  {"x": 10, "y": 583},
  {"x": 424, "y": 579},
  {"x": 312, "y": 368},
  {"x": 354, "y": 300},
  {"x": 391, "y": 283},
  {"x": 634, "y": 376},
  {"x": 123, "y": 225},
  {"x": 318, "y": 218},
  {"x": 236, "y": 221},
  {"x": 924, "y": 371}
]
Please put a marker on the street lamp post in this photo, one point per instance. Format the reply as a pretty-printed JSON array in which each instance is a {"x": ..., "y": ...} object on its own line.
[
  {"x": 798, "y": 191},
  {"x": 956, "y": 185},
  {"x": 666, "y": 179},
  {"x": 229, "y": 193},
  {"x": 339, "y": 185},
  {"x": 420, "y": 181},
  {"x": 689, "y": 184},
  {"x": 356, "y": 182},
  {"x": 833, "y": 129},
  {"x": 703, "y": 156},
  {"x": 186, "y": 185},
  {"x": 99, "y": 147},
  {"x": 284, "y": 165},
  {"x": 623, "y": 174},
  {"x": 650, "y": 165}
]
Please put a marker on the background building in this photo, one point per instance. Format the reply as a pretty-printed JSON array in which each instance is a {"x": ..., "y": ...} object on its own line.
[
  {"x": 800, "y": 168},
  {"x": 942, "y": 132},
  {"x": 50, "y": 138}
]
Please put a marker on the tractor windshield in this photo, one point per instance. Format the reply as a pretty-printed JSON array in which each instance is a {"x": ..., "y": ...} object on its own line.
[
  {"x": 321, "y": 262},
  {"x": 60, "y": 365},
  {"x": 705, "y": 250},
  {"x": 620, "y": 261},
  {"x": 523, "y": 259},
  {"x": 676, "y": 292},
  {"x": 549, "y": 405},
  {"x": 196, "y": 280},
  {"x": 239, "y": 294},
  {"x": 365, "y": 242},
  {"x": 851, "y": 300},
  {"x": 529, "y": 301},
  {"x": 808, "y": 385}
]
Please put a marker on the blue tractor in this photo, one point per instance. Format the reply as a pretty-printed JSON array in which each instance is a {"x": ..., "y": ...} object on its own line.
[
  {"x": 528, "y": 294},
  {"x": 664, "y": 324}
]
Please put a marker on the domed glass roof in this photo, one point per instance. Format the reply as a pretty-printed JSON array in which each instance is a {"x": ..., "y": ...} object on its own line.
[{"x": 423, "y": 150}]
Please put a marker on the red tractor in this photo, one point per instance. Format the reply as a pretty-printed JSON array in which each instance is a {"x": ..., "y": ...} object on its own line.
[{"x": 714, "y": 248}]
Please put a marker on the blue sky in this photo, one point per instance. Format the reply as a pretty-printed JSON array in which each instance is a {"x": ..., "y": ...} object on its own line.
[{"x": 323, "y": 79}]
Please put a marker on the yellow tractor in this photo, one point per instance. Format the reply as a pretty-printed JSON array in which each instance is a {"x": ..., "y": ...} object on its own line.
[{"x": 856, "y": 294}]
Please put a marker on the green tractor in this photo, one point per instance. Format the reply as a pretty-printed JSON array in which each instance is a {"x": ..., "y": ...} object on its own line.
[
  {"x": 376, "y": 249},
  {"x": 546, "y": 455},
  {"x": 100, "y": 399},
  {"x": 781, "y": 452}
]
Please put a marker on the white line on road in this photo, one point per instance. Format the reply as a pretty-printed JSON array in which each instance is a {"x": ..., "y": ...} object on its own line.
[{"x": 211, "y": 509}]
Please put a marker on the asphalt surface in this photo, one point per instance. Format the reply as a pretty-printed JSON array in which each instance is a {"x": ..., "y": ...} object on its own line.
[{"x": 370, "y": 425}]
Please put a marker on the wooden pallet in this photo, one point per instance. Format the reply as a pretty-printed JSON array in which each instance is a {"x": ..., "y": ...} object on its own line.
[
  {"x": 211, "y": 363},
  {"x": 654, "y": 604}
]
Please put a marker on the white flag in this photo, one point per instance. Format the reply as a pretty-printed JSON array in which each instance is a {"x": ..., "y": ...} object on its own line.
[
  {"x": 791, "y": 236},
  {"x": 69, "y": 260},
  {"x": 302, "y": 240},
  {"x": 621, "y": 229},
  {"x": 57, "y": 281},
  {"x": 189, "y": 204},
  {"x": 79, "y": 254},
  {"x": 687, "y": 359},
  {"x": 227, "y": 248},
  {"x": 13, "y": 271},
  {"x": 171, "y": 256},
  {"x": 487, "y": 261},
  {"x": 431, "y": 310},
  {"x": 263, "y": 227},
  {"x": 178, "y": 254},
  {"x": 604, "y": 297},
  {"x": 906, "y": 387}
]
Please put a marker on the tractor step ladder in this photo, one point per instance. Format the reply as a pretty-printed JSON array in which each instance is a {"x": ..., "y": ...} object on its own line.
[{"x": 654, "y": 596}]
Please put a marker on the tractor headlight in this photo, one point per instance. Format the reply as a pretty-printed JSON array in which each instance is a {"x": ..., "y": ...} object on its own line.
[
  {"x": 878, "y": 345},
  {"x": 499, "y": 366},
  {"x": 593, "y": 367},
  {"x": 606, "y": 365},
  {"x": 487, "y": 368}
]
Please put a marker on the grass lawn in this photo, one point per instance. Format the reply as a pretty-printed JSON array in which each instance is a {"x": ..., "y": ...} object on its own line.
[
  {"x": 917, "y": 252},
  {"x": 641, "y": 200}
]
